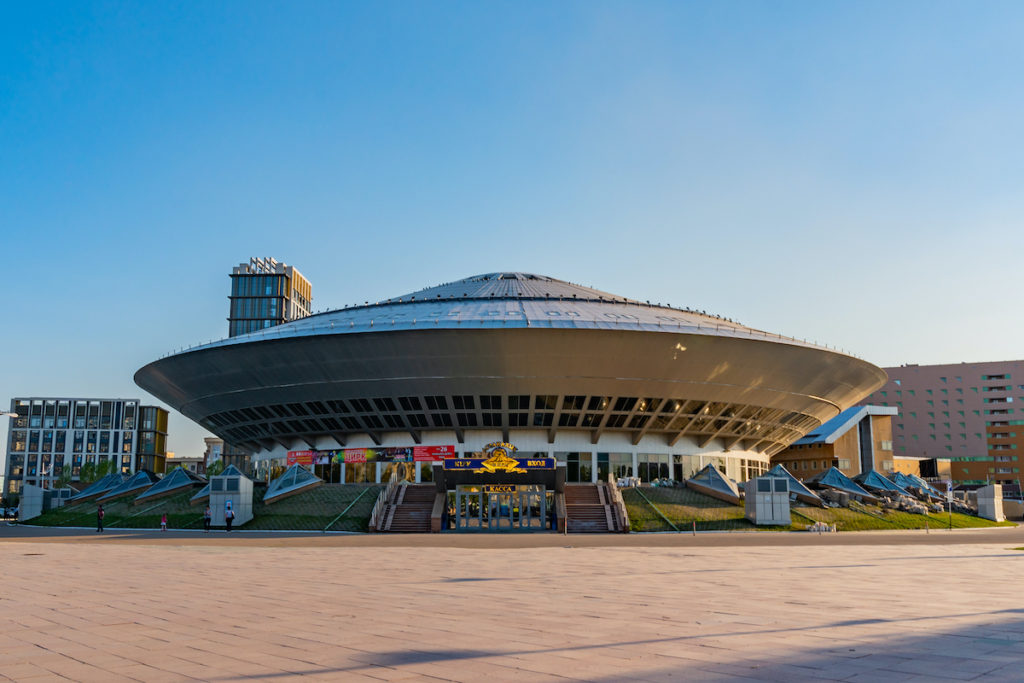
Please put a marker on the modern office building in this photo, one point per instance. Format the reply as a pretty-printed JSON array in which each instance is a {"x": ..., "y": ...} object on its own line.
[
  {"x": 855, "y": 441},
  {"x": 550, "y": 371},
  {"x": 265, "y": 293},
  {"x": 970, "y": 413},
  {"x": 51, "y": 437}
]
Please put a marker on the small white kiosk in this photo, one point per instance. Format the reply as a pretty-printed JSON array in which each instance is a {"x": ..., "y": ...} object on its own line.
[
  {"x": 990, "y": 502},
  {"x": 767, "y": 501},
  {"x": 230, "y": 490}
]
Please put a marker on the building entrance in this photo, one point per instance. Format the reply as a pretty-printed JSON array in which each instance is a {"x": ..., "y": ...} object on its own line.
[{"x": 500, "y": 507}]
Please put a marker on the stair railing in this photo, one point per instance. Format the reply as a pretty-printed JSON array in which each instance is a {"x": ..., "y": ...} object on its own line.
[
  {"x": 618, "y": 504},
  {"x": 376, "y": 517}
]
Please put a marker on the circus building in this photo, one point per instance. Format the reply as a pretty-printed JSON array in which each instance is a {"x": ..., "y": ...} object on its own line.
[{"x": 557, "y": 383}]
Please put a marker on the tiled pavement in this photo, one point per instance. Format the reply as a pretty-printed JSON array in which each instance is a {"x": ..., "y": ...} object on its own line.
[{"x": 112, "y": 611}]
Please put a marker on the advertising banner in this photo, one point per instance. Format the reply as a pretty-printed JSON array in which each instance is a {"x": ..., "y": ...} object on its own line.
[
  {"x": 354, "y": 454},
  {"x": 389, "y": 454},
  {"x": 403, "y": 454},
  {"x": 300, "y": 458},
  {"x": 509, "y": 465},
  {"x": 432, "y": 453}
]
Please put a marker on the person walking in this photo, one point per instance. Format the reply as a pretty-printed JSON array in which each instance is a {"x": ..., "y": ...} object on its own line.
[
  {"x": 99, "y": 519},
  {"x": 163, "y": 522},
  {"x": 229, "y": 515},
  {"x": 207, "y": 516}
]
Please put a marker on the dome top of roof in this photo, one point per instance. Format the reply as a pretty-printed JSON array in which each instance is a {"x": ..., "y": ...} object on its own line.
[
  {"x": 507, "y": 300},
  {"x": 508, "y": 286}
]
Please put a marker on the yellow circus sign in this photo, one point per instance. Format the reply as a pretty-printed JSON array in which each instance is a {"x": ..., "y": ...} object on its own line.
[{"x": 497, "y": 458}]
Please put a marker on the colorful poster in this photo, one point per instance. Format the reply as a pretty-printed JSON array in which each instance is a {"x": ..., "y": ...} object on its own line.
[
  {"x": 300, "y": 458},
  {"x": 389, "y": 454},
  {"x": 432, "y": 453},
  {"x": 355, "y": 455}
]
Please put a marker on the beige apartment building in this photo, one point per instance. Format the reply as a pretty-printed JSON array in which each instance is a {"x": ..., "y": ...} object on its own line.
[{"x": 970, "y": 413}]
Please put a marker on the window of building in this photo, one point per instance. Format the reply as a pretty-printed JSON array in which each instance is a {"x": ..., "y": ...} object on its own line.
[{"x": 519, "y": 402}]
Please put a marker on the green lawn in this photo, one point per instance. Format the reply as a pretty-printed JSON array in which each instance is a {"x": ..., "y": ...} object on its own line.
[
  {"x": 311, "y": 510},
  {"x": 122, "y": 513},
  {"x": 314, "y": 509},
  {"x": 683, "y": 507}
]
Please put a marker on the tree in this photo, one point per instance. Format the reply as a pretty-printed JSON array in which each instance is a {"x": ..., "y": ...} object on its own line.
[
  {"x": 104, "y": 468},
  {"x": 87, "y": 474},
  {"x": 214, "y": 468},
  {"x": 64, "y": 479}
]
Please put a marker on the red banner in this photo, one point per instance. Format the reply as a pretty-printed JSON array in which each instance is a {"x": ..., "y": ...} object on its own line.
[
  {"x": 300, "y": 458},
  {"x": 355, "y": 455},
  {"x": 432, "y": 453}
]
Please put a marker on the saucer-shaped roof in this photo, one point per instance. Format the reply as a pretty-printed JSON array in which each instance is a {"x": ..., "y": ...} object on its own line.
[
  {"x": 506, "y": 301},
  {"x": 580, "y": 358}
]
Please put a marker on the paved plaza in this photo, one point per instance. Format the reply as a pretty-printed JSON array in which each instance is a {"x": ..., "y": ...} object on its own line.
[{"x": 169, "y": 607}]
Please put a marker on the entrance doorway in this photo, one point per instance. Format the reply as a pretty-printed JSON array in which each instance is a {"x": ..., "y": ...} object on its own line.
[{"x": 499, "y": 507}]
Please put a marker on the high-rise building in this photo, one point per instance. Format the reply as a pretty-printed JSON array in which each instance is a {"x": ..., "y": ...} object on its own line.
[
  {"x": 152, "y": 448},
  {"x": 265, "y": 293},
  {"x": 51, "y": 437},
  {"x": 971, "y": 413}
]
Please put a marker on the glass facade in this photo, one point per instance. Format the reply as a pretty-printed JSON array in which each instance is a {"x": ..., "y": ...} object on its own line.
[
  {"x": 265, "y": 293},
  {"x": 51, "y": 438}
]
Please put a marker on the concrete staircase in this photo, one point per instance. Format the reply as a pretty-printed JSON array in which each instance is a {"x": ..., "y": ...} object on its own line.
[
  {"x": 410, "y": 512},
  {"x": 588, "y": 509}
]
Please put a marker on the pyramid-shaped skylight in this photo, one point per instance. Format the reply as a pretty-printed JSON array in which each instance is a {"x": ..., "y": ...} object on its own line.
[
  {"x": 139, "y": 481},
  {"x": 872, "y": 479},
  {"x": 796, "y": 487},
  {"x": 98, "y": 487},
  {"x": 911, "y": 484},
  {"x": 833, "y": 478},
  {"x": 203, "y": 494},
  {"x": 295, "y": 479},
  {"x": 178, "y": 479},
  {"x": 924, "y": 486},
  {"x": 711, "y": 482}
]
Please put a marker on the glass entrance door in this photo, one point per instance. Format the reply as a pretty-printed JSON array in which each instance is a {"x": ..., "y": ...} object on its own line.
[
  {"x": 532, "y": 513},
  {"x": 500, "y": 506},
  {"x": 470, "y": 513},
  {"x": 512, "y": 508}
]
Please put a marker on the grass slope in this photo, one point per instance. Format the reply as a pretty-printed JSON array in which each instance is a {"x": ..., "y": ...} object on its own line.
[
  {"x": 311, "y": 510},
  {"x": 314, "y": 509},
  {"x": 684, "y": 507}
]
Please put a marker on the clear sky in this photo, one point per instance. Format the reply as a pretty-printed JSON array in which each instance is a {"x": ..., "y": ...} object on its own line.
[{"x": 847, "y": 172}]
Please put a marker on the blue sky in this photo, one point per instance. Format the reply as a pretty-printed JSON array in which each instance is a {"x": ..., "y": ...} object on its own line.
[{"x": 845, "y": 172}]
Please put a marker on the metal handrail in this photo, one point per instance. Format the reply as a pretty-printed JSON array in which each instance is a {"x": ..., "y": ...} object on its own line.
[
  {"x": 618, "y": 503},
  {"x": 333, "y": 521},
  {"x": 383, "y": 499}
]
